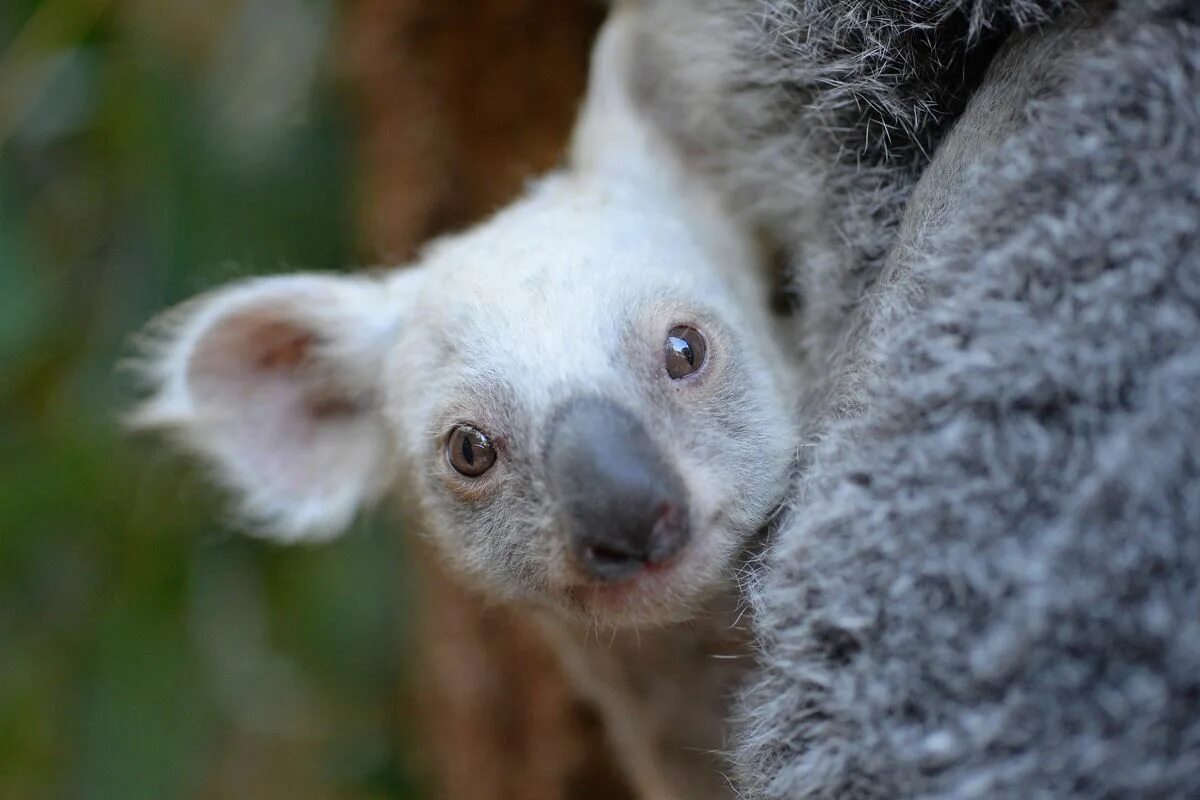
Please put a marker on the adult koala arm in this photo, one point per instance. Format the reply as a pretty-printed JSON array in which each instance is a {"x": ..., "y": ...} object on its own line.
[{"x": 990, "y": 585}]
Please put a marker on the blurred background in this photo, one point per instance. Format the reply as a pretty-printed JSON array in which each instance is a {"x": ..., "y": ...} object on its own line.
[{"x": 150, "y": 149}]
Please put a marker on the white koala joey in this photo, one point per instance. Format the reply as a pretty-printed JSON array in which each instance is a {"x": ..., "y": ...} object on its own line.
[{"x": 584, "y": 401}]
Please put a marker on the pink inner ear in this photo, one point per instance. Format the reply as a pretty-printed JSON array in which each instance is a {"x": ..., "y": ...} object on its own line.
[
  {"x": 279, "y": 345},
  {"x": 252, "y": 342},
  {"x": 269, "y": 398},
  {"x": 276, "y": 384}
]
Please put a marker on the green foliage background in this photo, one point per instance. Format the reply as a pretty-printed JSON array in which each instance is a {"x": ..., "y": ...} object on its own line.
[{"x": 150, "y": 149}]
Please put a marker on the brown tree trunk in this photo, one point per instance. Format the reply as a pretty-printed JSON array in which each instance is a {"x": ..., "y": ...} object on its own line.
[{"x": 458, "y": 103}]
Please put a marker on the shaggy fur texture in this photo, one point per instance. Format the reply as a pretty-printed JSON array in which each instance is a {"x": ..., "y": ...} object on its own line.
[
  {"x": 818, "y": 117},
  {"x": 991, "y": 583}
]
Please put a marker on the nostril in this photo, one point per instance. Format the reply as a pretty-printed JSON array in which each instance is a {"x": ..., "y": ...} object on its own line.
[
  {"x": 651, "y": 542},
  {"x": 668, "y": 535},
  {"x": 599, "y": 554},
  {"x": 610, "y": 562},
  {"x": 668, "y": 517}
]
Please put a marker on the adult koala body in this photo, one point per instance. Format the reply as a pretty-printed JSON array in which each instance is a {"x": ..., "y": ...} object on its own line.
[
  {"x": 583, "y": 401},
  {"x": 989, "y": 583}
]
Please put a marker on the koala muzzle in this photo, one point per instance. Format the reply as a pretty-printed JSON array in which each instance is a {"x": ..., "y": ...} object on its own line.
[{"x": 622, "y": 506}]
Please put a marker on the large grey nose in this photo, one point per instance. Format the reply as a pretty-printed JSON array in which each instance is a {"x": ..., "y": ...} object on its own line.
[{"x": 622, "y": 505}]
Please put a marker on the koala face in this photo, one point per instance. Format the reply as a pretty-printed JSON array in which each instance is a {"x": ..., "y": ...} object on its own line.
[
  {"x": 600, "y": 422},
  {"x": 582, "y": 400}
]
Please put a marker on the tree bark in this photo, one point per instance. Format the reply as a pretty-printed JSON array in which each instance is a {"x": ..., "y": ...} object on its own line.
[{"x": 457, "y": 104}]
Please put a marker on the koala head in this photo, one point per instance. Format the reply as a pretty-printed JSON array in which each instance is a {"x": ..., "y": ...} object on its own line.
[{"x": 583, "y": 400}]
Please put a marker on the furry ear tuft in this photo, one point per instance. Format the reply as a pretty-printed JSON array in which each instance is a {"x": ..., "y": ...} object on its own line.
[
  {"x": 274, "y": 383},
  {"x": 613, "y": 136}
]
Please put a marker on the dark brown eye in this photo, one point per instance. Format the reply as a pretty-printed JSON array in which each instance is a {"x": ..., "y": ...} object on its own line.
[
  {"x": 685, "y": 351},
  {"x": 470, "y": 451}
]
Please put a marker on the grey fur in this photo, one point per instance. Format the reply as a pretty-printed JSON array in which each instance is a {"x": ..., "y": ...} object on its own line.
[
  {"x": 819, "y": 116},
  {"x": 990, "y": 586}
]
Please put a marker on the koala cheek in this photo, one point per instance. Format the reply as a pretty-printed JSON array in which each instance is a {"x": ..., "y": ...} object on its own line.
[{"x": 707, "y": 487}]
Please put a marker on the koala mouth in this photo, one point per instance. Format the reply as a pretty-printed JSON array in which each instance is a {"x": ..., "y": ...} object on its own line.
[
  {"x": 639, "y": 597},
  {"x": 662, "y": 591}
]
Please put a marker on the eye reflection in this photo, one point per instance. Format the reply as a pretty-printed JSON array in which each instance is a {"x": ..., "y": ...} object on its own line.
[
  {"x": 684, "y": 351},
  {"x": 470, "y": 451}
]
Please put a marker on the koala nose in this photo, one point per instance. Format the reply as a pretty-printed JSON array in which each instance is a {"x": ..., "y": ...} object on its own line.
[{"x": 622, "y": 505}]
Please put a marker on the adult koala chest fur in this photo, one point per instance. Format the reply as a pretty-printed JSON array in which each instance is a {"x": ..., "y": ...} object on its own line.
[{"x": 583, "y": 402}]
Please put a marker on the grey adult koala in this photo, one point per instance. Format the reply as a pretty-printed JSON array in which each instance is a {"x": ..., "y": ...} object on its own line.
[{"x": 990, "y": 582}]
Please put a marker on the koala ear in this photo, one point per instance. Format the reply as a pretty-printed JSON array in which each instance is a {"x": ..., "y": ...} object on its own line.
[
  {"x": 275, "y": 383},
  {"x": 613, "y": 136}
]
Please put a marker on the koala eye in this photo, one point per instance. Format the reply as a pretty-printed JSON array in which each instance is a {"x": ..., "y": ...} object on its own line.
[
  {"x": 684, "y": 351},
  {"x": 470, "y": 451}
]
